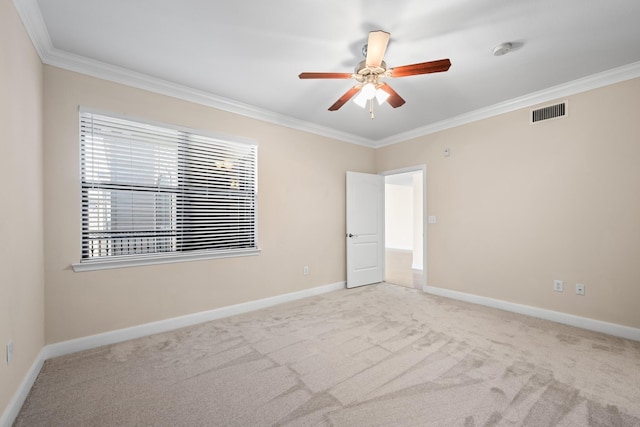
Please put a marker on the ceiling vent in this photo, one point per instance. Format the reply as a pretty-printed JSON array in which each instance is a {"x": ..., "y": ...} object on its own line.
[{"x": 555, "y": 111}]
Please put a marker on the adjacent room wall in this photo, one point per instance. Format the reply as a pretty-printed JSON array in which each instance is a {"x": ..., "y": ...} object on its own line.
[
  {"x": 21, "y": 230},
  {"x": 398, "y": 217},
  {"x": 520, "y": 205},
  {"x": 301, "y": 181}
]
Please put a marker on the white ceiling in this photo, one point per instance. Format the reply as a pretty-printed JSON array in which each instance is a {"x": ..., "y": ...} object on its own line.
[{"x": 245, "y": 55}]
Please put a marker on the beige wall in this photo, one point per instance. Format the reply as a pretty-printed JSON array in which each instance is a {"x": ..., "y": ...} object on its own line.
[
  {"x": 21, "y": 250},
  {"x": 301, "y": 181},
  {"x": 520, "y": 205}
]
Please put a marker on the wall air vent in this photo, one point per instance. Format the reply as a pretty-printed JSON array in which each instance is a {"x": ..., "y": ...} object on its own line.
[{"x": 555, "y": 111}]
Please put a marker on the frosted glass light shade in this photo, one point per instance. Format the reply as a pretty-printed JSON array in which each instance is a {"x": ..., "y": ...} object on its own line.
[
  {"x": 361, "y": 99},
  {"x": 368, "y": 90},
  {"x": 381, "y": 96}
]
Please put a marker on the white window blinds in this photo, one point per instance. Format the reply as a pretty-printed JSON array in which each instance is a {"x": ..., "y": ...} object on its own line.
[{"x": 149, "y": 190}]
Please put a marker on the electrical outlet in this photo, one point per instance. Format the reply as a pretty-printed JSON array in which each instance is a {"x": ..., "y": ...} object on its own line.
[
  {"x": 558, "y": 285},
  {"x": 305, "y": 270},
  {"x": 9, "y": 352},
  {"x": 579, "y": 289}
]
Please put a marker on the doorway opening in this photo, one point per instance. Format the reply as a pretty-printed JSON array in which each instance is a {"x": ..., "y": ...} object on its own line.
[{"x": 405, "y": 262}]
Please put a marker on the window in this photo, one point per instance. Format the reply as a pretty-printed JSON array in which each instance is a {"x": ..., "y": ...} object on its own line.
[{"x": 153, "y": 192}]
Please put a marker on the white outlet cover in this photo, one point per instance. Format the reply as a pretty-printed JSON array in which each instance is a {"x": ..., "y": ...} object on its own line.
[
  {"x": 558, "y": 285},
  {"x": 431, "y": 219}
]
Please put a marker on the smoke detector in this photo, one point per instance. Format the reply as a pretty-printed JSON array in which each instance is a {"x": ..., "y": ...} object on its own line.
[{"x": 502, "y": 49}]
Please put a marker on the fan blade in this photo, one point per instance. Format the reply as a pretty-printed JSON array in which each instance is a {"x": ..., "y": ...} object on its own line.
[
  {"x": 344, "y": 98},
  {"x": 325, "y": 75},
  {"x": 421, "y": 68},
  {"x": 376, "y": 46},
  {"x": 394, "y": 99}
]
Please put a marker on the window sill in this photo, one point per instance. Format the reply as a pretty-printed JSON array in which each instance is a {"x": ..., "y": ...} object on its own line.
[{"x": 136, "y": 261}]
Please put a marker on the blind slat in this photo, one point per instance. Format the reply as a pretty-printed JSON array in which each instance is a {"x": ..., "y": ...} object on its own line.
[{"x": 150, "y": 189}]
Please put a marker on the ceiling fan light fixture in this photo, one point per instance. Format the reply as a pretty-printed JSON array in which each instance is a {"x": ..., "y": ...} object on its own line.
[{"x": 370, "y": 72}]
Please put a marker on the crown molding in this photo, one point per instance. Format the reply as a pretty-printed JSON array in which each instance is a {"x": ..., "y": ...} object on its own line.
[
  {"x": 101, "y": 70},
  {"x": 29, "y": 12},
  {"x": 594, "y": 81}
]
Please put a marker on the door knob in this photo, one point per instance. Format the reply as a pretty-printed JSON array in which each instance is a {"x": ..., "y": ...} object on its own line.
[{"x": 352, "y": 235}]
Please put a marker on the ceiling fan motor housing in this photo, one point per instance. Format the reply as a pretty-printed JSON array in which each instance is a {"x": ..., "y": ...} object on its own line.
[{"x": 364, "y": 73}]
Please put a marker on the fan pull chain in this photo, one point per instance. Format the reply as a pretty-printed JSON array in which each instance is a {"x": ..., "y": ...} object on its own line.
[{"x": 371, "y": 108}]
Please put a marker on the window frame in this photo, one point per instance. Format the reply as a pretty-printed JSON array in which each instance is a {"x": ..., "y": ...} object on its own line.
[{"x": 134, "y": 260}]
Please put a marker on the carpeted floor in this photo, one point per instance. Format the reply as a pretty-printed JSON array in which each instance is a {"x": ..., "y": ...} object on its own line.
[{"x": 379, "y": 355}]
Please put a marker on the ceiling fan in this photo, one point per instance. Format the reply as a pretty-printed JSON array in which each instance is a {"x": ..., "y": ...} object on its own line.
[{"x": 370, "y": 74}]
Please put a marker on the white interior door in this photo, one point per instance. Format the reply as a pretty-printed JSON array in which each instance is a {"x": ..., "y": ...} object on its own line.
[{"x": 365, "y": 229}]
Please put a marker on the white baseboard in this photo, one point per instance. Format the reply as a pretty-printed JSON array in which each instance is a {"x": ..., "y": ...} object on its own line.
[
  {"x": 555, "y": 316},
  {"x": 16, "y": 402},
  {"x": 112, "y": 337}
]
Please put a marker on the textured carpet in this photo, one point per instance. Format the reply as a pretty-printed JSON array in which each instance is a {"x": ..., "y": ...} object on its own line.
[{"x": 380, "y": 355}]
